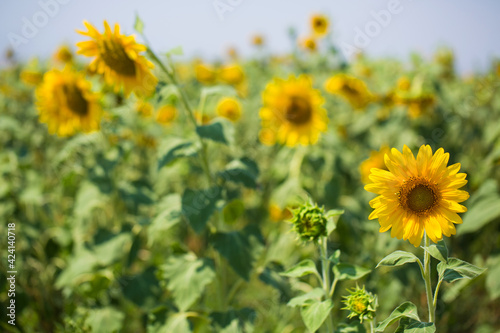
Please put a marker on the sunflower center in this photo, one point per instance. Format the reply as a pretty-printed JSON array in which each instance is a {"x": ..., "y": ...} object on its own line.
[
  {"x": 116, "y": 58},
  {"x": 319, "y": 23},
  {"x": 298, "y": 111},
  {"x": 418, "y": 196},
  {"x": 75, "y": 100}
]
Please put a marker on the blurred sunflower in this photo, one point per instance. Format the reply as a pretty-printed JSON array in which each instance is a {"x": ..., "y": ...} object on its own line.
[
  {"x": 202, "y": 118},
  {"x": 232, "y": 74},
  {"x": 309, "y": 44},
  {"x": 166, "y": 114},
  {"x": 419, "y": 105},
  {"x": 118, "y": 58},
  {"x": 63, "y": 55},
  {"x": 205, "y": 74},
  {"x": 292, "y": 110},
  {"x": 66, "y": 104},
  {"x": 276, "y": 214},
  {"x": 417, "y": 195},
  {"x": 352, "y": 89},
  {"x": 258, "y": 40},
  {"x": 145, "y": 109},
  {"x": 376, "y": 160},
  {"x": 229, "y": 108},
  {"x": 31, "y": 77},
  {"x": 319, "y": 25}
]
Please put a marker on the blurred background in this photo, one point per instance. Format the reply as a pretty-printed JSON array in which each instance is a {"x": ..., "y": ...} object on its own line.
[{"x": 208, "y": 28}]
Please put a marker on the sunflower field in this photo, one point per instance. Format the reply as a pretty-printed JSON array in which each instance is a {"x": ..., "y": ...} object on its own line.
[{"x": 146, "y": 192}]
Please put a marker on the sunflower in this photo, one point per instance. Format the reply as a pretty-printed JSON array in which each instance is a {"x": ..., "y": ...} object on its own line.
[
  {"x": 145, "y": 109},
  {"x": 118, "y": 58},
  {"x": 376, "y": 160},
  {"x": 229, "y": 108},
  {"x": 232, "y": 74},
  {"x": 417, "y": 195},
  {"x": 319, "y": 25},
  {"x": 258, "y": 40},
  {"x": 352, "y": 89},
  {"x": 292, "y": 110},
  {"x": 63, "y": 55},
  {"x": 205, "y": 74},
  {"x": 309, "y": 44},
  {"x": 66, "y": 104},
  {"x": 31, "y": 77},
  {"x": 166, "y": 114}
]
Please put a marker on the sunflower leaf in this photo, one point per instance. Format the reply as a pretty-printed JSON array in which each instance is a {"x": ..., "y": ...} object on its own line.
[
  {"x": 407, "y": 309},
  {"x": 220, "y": 131},
  {"x": 332, "y": 219},
  {"x": 456, "y": 269},
  {"x": 438, "y": 251},
  {"x": 305, "y": 267},
  {"x": 315, "y": 312},
  {"x": 316, "y": 294},
  {"x": 198, "y": 206},
  {"x": 139, "y": 24},
  {"x": 349, "y": 272},
  {"x": 398, "y": 258},
  {"x": 409, "y": 325}
]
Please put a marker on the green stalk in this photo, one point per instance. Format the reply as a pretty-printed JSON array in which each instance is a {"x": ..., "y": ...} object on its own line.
[
  {"x": 325, "y": 268},
  {"x": 427, "y": 279}
]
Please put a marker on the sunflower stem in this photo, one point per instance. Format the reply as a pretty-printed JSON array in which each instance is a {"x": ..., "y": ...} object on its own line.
[
  {"x": 296, "y": 162},
  {"x": 427, "y": 279},
  {"x": 325, "y": 268}
]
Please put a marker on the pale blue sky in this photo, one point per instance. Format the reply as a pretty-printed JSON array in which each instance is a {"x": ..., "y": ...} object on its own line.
[{"x": 469, "y": 27}]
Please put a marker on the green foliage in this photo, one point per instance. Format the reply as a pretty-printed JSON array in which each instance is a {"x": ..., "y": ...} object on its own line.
[
  {"x": 398, "y": 258},
  {"x": 349, "y": 272},
  {"x": 198, "y": 206},
  {"x": 315, "y": 312},
  {"x": 405, "y": 310},
  {"x": 455, "y": 269}
]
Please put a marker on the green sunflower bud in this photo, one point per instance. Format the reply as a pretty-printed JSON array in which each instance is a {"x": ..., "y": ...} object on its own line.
[
  {"x": 309, "y": 222},
  {"x": 361, "y": 303}
]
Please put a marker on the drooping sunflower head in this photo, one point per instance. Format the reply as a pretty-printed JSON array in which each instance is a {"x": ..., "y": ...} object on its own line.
[
  {"x": 229, "y": 108},
  {"x": 376, "y": 160},
  {"x": 66, "y": 104},
  {"x": 166, "y": 114},
  {"x": 418, "y": 194},
  {"x": 319, "y": 24},
  {"x": 351, "y": 88},
  {"x": 292, "y": 111},
  {"x": 118, "y": 58}
]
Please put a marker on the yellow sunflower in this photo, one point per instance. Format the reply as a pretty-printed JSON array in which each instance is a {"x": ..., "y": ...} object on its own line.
[
  {"x": 417, "y": 195},
  {"x": 66, "y": 104},
  {"x": 166, "y": 114},
  {"x": 118, "y": 58},
  {"x": 205, "y": 74},
  {"x": 352, "y": 89},
  {"x": 258, "y": 40},
  {"x": 145, "y": 109},
  {"x": 63, "y": 55},
  {"x": 232, "y": 74},
  {"x": 31, "y": 77},
  {"x": 319, "y": 25},
  {"x": 292, "y": 110},
  {"x": 376, "y": 160},
  {"x": 229, "y": 108},
  {"x": 309, "y": 44}
]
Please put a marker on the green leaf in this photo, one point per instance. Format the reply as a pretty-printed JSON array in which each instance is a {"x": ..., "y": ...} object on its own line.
[
  {"x": 349, "y": 272},
  {"x": 172, "y": 149},
  {"x": 397, "y": 258},
  {"x": 169, "y": 215},
  {"x": 138, "y": 25},
  {"x": 222, "y": 90},
  {"x": 407, "y": 309},
  {"x": 492, "y": 280},
  {"x": 113, "y": 249},
  {"x": 233, "y": 211},
  {"x": 198, "y": 206},
  {"x": 244, "y": 171},
  {"x": 305, "y": 267},
  {"x": 315, "y": 312},
  {"x": 219, "y": 131},
  {"x": 187, "y": 277},
  {"x": 240, "y": 248},
  {"x": 438, "y": 251},
  {"x": 105, "y": 320},
  {"x": 456, "y": 269},
  {"x": 233, "y": 321},
  {"x": 332, "y": 219},
  {"x": 408, "y": 325},
  {"x": 177, "y": 322},
  {"x": 335, "y": 257},
  {"x": 482, "y": 213},
  {"x": 175, "y": 51},
  {"x": 315, "y": 294},
  {"x": 80, "y": 263}
]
